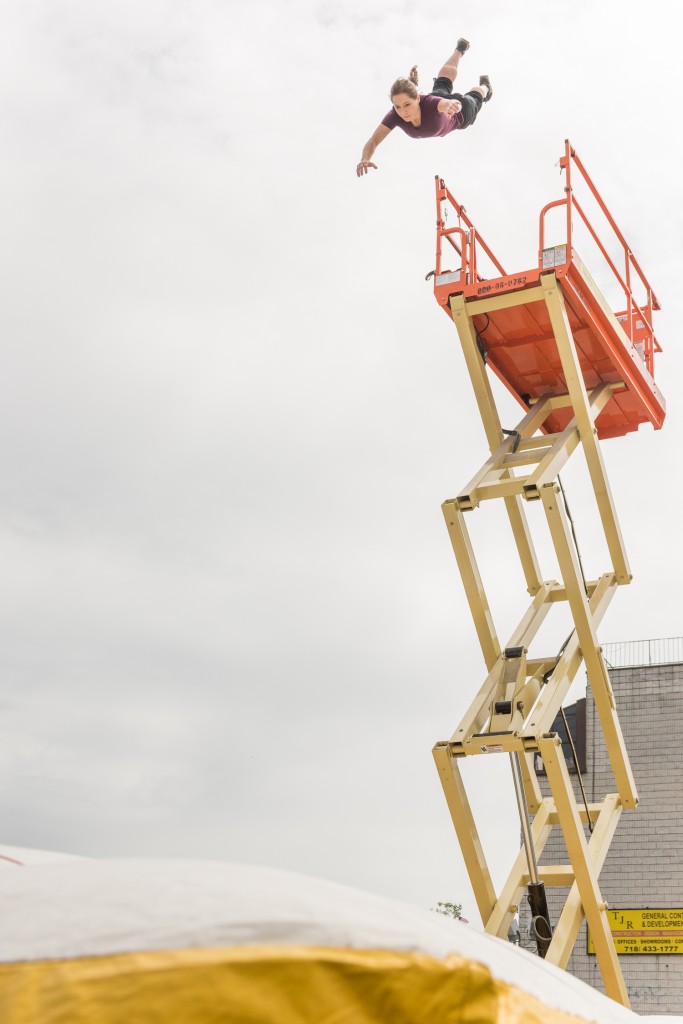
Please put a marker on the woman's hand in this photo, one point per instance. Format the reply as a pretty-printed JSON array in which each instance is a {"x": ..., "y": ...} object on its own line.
[
  {"x": 363, "y": 167},
  {"x": 364, "y": 164},
  {"x": 450, "y": 107}
]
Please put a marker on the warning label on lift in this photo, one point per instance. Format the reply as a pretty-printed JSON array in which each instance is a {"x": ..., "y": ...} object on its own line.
[
  {"x": 645, "y": 931},
  {"x": 556, "y": 256}
]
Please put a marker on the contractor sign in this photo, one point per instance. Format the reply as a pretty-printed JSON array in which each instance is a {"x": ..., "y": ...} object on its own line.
[{"x": 645, "y": 931}]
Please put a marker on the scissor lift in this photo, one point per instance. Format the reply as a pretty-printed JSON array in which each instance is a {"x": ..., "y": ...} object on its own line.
[{"x": 580, "y": 373}]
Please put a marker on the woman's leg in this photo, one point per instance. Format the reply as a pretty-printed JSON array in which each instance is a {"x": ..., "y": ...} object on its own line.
[
  {"x": 450, "y": 68},
  {"x": 474, "y": 99},
  {"x": 485, "y": 83},
  {"x": 483, "y": 89}
]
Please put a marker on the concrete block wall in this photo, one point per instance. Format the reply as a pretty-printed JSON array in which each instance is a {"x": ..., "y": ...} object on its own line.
[{"x": 644, "y": 866}]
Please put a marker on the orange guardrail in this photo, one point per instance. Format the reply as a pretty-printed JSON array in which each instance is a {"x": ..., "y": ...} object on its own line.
[
  {"x": 640, "y": 334},
  {"x": 469, "y": 238},
  {"x": 636, "y": 318}
]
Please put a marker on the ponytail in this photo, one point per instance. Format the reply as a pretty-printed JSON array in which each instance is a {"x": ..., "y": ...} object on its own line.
[{"x": 407, "y": 85}]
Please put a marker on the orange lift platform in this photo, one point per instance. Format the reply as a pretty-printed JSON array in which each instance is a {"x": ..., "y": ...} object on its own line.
[
  {"x": 518, "y": 333},
  {"x": 581, "y": 373}
]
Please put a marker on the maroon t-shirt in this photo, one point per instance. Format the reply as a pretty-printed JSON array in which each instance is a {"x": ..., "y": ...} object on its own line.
[{"x": 433, "y": 123}]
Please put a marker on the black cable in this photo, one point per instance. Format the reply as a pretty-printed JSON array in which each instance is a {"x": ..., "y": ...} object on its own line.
[
  {"x": 564, "y": 717},
  {"x": 517, "y": 438},
  {"x": 578, "y": 770},
  {"x": 546, "y": 679},
  {"x": 481, "y": 340},
  {"x": 576, "y": 542},
  {"x": 547, "y": 675}
]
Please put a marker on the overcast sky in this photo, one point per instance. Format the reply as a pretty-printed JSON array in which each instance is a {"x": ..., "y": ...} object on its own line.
[{"x": 231, "y": 621}]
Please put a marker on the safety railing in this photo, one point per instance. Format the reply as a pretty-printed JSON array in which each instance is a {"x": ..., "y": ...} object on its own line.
[
  {"x": 636, "y": 319},
  {"x": 639, "y": 653},
  {"x": 464, "y": 240}
]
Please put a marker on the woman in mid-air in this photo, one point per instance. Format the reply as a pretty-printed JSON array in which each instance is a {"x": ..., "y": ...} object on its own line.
[{"x": 426, "y": 115}]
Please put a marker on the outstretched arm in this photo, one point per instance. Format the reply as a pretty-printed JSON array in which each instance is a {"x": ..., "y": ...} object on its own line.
[
  {"x": 449, "y": 107},
  {"x": 369, "y": 148}
]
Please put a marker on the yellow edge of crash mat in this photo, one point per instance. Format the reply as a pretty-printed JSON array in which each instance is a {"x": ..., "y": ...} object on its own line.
[{"x": 265, "y": 985}]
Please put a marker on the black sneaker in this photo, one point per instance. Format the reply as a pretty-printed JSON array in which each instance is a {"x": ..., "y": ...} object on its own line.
[
  {"x": 462, "y": 45},
  {"x": 485, "y": 80}
]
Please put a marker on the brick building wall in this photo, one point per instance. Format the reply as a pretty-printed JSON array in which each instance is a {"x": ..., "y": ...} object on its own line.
[{"x": 644, "y": 866}]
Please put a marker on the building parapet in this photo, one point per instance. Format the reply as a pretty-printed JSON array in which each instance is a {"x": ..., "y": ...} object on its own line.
[{"x": 636, "y": 653}]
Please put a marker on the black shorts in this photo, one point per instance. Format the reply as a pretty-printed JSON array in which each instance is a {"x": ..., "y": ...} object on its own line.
[{"x": 471, "y": 101}]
